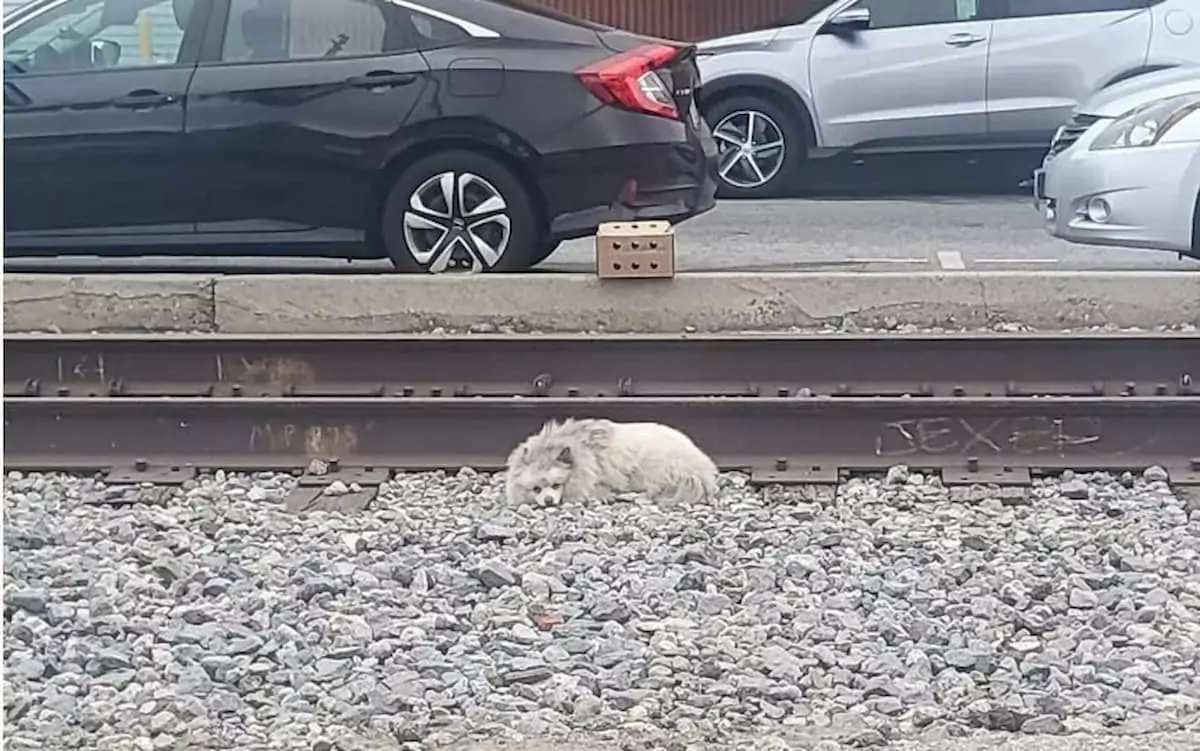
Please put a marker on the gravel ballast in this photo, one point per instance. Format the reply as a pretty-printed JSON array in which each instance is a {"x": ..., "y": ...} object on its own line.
[{"x": 892, "y": 611}]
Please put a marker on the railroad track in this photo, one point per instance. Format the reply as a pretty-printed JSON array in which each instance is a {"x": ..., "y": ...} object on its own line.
[{"x": 994, "y": 408}]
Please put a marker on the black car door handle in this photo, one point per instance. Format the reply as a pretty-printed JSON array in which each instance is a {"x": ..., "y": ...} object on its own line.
[
  {"x": 379, "y": 78},
  {"x": 143, "y": 99}
]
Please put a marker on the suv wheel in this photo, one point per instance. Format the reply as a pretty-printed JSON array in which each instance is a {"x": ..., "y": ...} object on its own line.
[
  {"x": 1196, "y": 228},
  {"x": 761, "y": 146},
  {"x": 458, "y": 211}
]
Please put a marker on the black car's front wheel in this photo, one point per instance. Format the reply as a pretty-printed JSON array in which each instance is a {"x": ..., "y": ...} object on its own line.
[
  {"x": 458, "y": 211},
  {"x": 761, "y": 146}
]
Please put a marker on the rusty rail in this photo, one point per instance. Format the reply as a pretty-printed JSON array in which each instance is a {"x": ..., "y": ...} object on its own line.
[
  {"x": 969, "y": 439},
  {"x": 657, "y": 366}
]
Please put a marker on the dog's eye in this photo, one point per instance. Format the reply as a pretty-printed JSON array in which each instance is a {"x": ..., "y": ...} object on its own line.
[
  {"x": 556, "y": 485},
  {"x": 537, "y": 488}
]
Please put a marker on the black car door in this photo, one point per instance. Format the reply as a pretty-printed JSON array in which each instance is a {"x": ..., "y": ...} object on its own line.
[
  {"x": 94, "y": 94},
  {"x": 293, "y": 108}
]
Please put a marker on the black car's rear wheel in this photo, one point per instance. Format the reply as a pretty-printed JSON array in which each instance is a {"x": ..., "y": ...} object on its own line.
[
  {"x": 458, "y": 211},
  {"x": 761, "y": 146}
]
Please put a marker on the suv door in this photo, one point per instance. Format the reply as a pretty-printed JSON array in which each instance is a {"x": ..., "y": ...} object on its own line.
[
  {"x": 294, "y": 109},
  {"x": 915, "y": 77},
  {"x": 93, "y": 118},
  {"x": 1048, "y": 55}
]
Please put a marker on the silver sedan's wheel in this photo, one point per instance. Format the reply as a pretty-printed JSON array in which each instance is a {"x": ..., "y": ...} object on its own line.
[
  {"x": 751, "y": 146},
  {"x": 457, "y": 221}
]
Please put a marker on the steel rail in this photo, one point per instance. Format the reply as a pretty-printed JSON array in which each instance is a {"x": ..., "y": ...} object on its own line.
[
  {"x": 610, "y": 365},
  {"x": 968, "y": 439}
]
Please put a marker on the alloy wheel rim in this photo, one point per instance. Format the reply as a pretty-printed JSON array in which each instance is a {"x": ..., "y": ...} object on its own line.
[
  {"x": 457, "y": 221},
  {"x": 751, "y": 148}
]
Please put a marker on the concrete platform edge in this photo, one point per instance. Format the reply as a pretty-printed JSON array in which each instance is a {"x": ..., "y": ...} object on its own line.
[{"x": 576, "y": 302}]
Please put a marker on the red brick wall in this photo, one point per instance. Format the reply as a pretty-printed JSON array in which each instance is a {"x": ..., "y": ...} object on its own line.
[{"x": 687, "y": 20}]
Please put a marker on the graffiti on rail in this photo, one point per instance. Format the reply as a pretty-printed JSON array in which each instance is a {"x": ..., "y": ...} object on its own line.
[
  {"x": 89, "y": 368},
  {"x": 284, "y": 372},
  {"x": 1025, "y": 436},
  {"x": 316, "y": 441}
]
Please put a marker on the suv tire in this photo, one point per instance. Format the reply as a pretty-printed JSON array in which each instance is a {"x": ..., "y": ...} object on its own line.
[{"x": 731, "y": 119}]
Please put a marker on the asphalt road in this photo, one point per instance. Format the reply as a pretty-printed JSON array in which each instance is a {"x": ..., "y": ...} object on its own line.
[{"x": 913, "y": 234}]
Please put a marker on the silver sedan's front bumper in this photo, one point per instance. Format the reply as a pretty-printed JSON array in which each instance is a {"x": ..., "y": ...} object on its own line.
[{"x": 1136, "y": 197}]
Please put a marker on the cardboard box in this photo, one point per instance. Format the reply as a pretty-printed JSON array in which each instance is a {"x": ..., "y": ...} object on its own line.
[{"x": 635, "y": 250}]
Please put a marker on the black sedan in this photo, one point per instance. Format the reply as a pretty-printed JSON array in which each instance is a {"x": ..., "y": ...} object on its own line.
[{"x": 446, "y": 135}]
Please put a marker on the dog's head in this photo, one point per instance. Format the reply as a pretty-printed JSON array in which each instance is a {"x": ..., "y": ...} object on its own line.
[{"x": 540, "y": 474}]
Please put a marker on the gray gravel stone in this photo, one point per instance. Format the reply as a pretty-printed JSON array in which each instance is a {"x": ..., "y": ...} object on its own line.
[{"x": 892, "y": 612}]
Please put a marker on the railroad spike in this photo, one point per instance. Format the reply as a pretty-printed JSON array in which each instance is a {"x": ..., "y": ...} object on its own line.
[{"x": 542, "y": 383}]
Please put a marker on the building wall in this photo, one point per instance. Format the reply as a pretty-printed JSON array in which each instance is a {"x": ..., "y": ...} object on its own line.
[{"x": 688, "y": 20}]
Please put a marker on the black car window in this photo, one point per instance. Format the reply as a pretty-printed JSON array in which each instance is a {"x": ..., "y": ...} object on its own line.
[
  {"x": 82, "y": 35},
  {"x": 893, "y": 14},
  {"x": 1027, "y": 8},
  {"x": 434, "y": 32},
  {"x": 275, "y": 30}
]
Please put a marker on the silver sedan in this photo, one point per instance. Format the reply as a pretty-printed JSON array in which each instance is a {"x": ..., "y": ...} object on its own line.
[{"x": 1126, "y": 169}]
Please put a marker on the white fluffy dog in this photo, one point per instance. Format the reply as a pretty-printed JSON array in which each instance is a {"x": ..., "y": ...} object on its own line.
[{"x": 582, "y": 460}]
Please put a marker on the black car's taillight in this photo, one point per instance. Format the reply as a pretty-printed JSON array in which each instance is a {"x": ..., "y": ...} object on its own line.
[{"x": 631, "y": 80}]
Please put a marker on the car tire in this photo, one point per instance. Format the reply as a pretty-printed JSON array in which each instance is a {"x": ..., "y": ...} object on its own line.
[
  {"x": 730, "y": 118},
  {"x": 544, "y": 250},
  {"x": 1196, "y": 228},
  {"x": 486, "y": 224}
]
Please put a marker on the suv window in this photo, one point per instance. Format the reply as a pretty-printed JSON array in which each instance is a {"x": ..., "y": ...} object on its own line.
[
  {"x": 276, "y": 30},
  {"x": 893, "y": 14},
  {"x": 83, "y": 35},
  {"x": 1026, "y": 8}
]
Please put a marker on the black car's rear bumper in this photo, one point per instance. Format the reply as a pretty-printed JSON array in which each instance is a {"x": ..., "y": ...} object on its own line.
[{"x": 671, "y": 181}]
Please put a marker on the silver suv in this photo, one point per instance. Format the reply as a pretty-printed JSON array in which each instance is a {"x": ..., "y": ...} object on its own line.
[{"x": 893, "y": 77}]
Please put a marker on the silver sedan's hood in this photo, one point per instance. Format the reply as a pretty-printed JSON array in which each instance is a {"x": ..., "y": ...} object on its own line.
[{"x": 1122, "y": 97}]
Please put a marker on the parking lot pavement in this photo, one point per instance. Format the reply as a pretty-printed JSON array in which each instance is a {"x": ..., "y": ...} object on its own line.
[
  {"x": 919, "y": 234},
  {"x": 916, "y": 234}
]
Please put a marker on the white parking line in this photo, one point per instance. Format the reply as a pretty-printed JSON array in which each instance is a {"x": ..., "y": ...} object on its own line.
[
  {"x": 886, "y": 260},
  {"x": 951, "y": 260},
  {"x": 1016, "y": 260}
]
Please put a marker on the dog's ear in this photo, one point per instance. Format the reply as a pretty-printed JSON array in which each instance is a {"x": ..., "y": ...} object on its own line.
[{"x": 565, "y": 457}]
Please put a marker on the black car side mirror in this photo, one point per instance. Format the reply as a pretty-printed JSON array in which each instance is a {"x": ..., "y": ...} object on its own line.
[{"x": 847, "y": 23}]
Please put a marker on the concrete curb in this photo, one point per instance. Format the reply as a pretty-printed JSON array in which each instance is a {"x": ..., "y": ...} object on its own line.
[
  {"x": 576, "y": 302},
  {"x": 114, "y": 302}
]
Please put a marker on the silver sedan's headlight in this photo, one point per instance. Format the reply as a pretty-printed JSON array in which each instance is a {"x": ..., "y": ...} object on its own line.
[{"x": 1147, "y": 124}]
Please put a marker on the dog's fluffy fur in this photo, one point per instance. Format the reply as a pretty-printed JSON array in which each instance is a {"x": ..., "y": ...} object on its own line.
[{"x": 582, "y": 460}]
